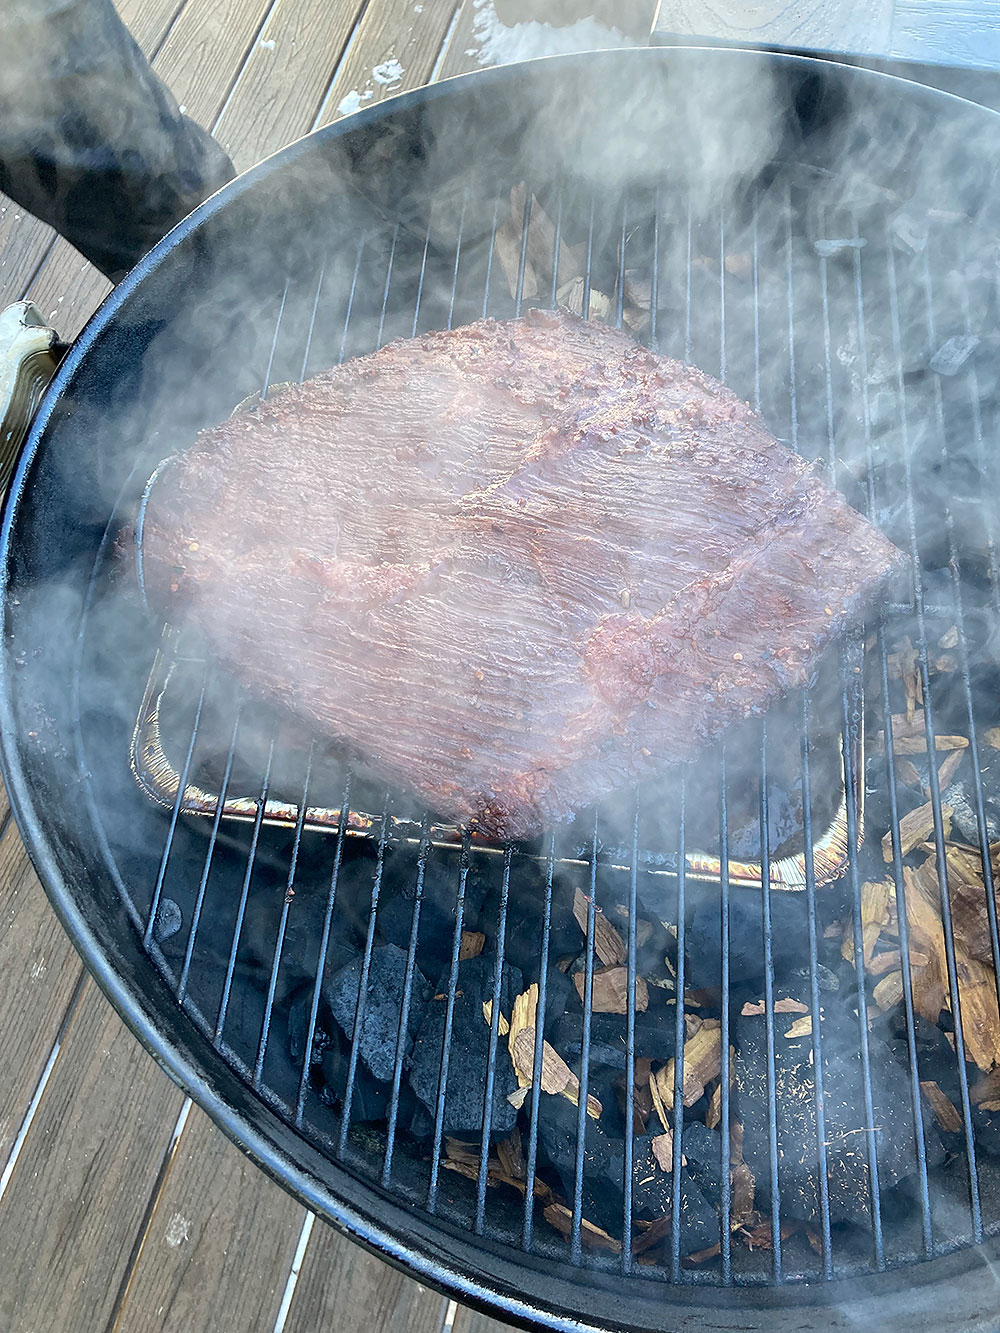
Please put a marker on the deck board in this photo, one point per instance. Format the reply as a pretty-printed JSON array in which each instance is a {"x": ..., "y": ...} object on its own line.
[
  {"x": 217, "y": 1222},
  {"x": 200, "y": 62},
  {"x": 340, "y": 1286},
  {"x": 40, "y": 971},
  {"x": 89, "y": 1161}
]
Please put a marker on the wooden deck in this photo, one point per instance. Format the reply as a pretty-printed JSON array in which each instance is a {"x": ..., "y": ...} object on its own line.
[{"x": 122, "y": 1208}]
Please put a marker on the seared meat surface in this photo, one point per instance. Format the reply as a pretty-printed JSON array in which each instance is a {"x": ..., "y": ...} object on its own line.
[{"x": 515, "y": 565}]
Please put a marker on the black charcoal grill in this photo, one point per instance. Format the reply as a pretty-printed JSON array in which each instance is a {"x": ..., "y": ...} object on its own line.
[{"x": 290, "y": 941}]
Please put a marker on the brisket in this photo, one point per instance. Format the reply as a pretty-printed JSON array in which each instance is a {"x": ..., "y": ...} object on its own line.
[{"x": 514, "y": 566}]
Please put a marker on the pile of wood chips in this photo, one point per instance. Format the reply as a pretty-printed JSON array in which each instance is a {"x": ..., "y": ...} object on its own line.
[{"x": 926, "y": 909}]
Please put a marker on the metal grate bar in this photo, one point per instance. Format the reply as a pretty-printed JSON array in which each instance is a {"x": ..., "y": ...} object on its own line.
[
  {"x": 489, "y": 256},
  {"x": 388, "y": 283},
  {"x": 491, "y": 1064},
  {"x": 772, "y": 1105},
  {"x": 724, "y": 1095},
  {"x": 312, "y": 322},
  {"x": 930, "y": 735},
  {"x": 905, "y": 968},
  {"x": 629, "y": 1142},
  {"x": 851, "y": 717},
  {"x": 726, "y": 1218},
  {"x": 274, "y": 343},
  {"x": 807, "y": 822},
  {"x": 449, "y": 1022},
  {"x": 851, "y": 720},
  {"x": 589, "y": 261},
  {"x": 556, "y": 248},
  {"x": 227, "y": 985},
  {"x": 350, "y": 298},
  {"x": 814, "y": 1005},
  {"x": 576, "y": 1244},
  {"x": 458, "y": 257},
  {"x": 523, "y": 256},
  {"x": 536, "y": 1060},
  {"x": 420, "y": 282},
  {"x": 154, "y": 905},
  {"x": 207, "y": 867},
  {"x": 679, "y": 1034},
  {"x": 366, "y": 962},
  {"x": 324, "y": 944},
  {"x": 402, "y": 1032},
  {"x": 279, "y": 942}
]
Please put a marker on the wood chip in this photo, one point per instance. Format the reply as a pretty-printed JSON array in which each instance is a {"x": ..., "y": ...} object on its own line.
[
  {"x": 503, "y": 1027},
  {"x": 908, "y": 773},
  {"x": 946, "y": 772},
  {"x": 703, "y": 1256},
  {"x": 944, "y": 663},
  {"x": 663, "y": 1150},
  {"x": 786, "y": 1005},
  {"x": 608, "y": 943},
  {"x": 643, "y": 1066},
  {"x": 889, "y": 991},
  {"x": 802, "y": 1027},
  {"x": 888, "y": 962},
  {"x": 875, "y": 899},
  {"x": 918, "y": 744},
  {"x": 656, "y": 1232},
  {"x": 713, "y": 1116},
  {"x": 560, "y": 1217},
  {"x": 741, "y": 1178},
  {"x": 702, "y": 1063},
  {"x": 945, "y": 1112},
  {"x": 991, "y": 737},
  {"x": 518, "y": 1097},
  {"x": 987, "y": 1088},
  {"x": 610, "y": 991},
  {"x": 949, "y": 639},
  {"x": 471, "y": 944},
  {"x": 556, "y": 1076},
  {"x": 914, "y": 827},
  {"x": 511, "y": 1155}
]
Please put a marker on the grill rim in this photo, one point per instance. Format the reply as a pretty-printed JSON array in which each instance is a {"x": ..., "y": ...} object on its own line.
[{"x": 418, "y": 1245}]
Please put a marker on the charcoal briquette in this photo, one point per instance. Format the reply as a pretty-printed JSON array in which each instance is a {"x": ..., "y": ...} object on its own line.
[
  {"x": 703, "y": 1149},
  {"x": 703, "y": 939},
  {"x": 383, "y": 1007},
  {"x": 469, "y": 1051},
  {"x": 952, "y": 355},
  {"x": 846, "y": 1137},
  {"x": 168, "y": 920}
]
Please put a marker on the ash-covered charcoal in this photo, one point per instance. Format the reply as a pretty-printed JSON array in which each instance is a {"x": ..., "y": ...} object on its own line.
[
  {"x": 961, "y": 796},
  {"x": 469, "y": 1051},
  {"x": 383, "y": 1006},
  {"x": 844, "y": 1110},
  {"x": 703, "y": 938},
  {"x": 952, "y": 355},
  {"x": 168, "y": 920}
]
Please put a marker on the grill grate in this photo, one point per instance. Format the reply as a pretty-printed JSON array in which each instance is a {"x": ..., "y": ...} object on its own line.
[{"x": 837, "y": 309}]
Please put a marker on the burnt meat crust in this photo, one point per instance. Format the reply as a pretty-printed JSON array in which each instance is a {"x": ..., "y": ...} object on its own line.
[{"x": 516, "y": 565}]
